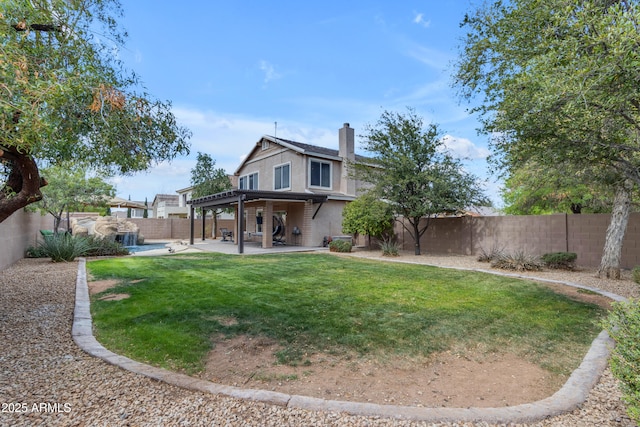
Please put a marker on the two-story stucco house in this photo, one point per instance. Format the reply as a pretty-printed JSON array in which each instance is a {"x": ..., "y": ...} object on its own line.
[{"x": 290, "y": 192}]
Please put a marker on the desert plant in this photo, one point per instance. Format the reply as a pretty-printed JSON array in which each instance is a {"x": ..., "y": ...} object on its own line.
[
  {"x": 636, "y": 274},
  {"x": 490, "y": 254},
  {"x": 519, "y": 261},
  {"x": 61, "y": 247},
  {"x": 340, "y": 245},
  {"x": 623, "y": 325},
  {"x": 560, "y": 260},
  {"x": 65, "y": 247},
  {"x": 389, "y": 247}
]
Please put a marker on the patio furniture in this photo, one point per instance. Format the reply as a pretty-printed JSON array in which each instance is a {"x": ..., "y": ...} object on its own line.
[{"x": 225, "y": 232}]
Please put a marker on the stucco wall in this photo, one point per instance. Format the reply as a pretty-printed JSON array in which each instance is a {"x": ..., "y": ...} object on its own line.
[{"x": 18, "y": 232}]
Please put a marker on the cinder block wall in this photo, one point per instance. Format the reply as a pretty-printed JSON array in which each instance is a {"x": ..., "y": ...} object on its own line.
[
  {"x": 177, "y": 228},
  {"x": 534, "y": 234},
  {"x": 18, "y": 232}
]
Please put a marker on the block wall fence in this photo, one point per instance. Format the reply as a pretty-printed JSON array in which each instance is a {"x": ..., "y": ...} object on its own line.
[
  {"x": 583, "y": 234},
  {"x": 18, "y": 232},
  {"x": 535, "y": 234}
]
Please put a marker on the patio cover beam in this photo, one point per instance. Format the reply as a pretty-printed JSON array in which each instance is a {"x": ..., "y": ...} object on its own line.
[{"x": 240, "y": 197}]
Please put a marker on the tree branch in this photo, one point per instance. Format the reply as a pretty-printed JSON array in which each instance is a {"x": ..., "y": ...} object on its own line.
[
  {"x": 22, "y": 186},
  {"x": 22, "y": 26}
]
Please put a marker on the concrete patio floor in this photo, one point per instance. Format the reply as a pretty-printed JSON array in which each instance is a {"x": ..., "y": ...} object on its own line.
[{"x": 225, "y": 247}]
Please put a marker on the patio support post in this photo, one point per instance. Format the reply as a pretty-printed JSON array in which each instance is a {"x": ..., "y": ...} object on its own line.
[
  {"x": 267, "y": 225},
  {"x": 240, "y": 219},
  {"x": 204, "y": 219},
  {"x": 191, "y": 228}
]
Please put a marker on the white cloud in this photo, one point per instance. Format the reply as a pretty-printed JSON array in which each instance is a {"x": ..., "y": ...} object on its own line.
[
  {"x": 432, "y": 58},
  {"x": 419, "y": 19},
  {"x": 269, "y": 71},
  {"x": 464, "y": 148}
]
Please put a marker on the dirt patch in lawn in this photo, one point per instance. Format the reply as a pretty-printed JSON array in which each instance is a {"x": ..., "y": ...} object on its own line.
[
  {"x": 445, "y": 380},
  {"x": 97, "y": 286}
]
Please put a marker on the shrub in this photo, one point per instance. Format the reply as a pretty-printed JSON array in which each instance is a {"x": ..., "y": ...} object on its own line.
[
  {"x": 489, "y": 255},
  {"x": 518, "y": 261},
  {"x": 104, "y": 247},
  {"x": 340, "y": 245},
  {"x": 61, "y": 247},
  {"x": 560, "y": 260},
  {"x": 64, "y": 247},
  {"x": 623, "y": 325},
  {"x": 636, "y": 275},
  {"x": 389, "y": 247}
]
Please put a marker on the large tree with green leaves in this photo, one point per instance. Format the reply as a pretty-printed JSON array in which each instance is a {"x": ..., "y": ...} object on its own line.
[
  {"x": 206, "y": 179},
  {"x": 411, "y": 169},
  {"x": 65, "y": 96},
  {"x": 70, "y": 187},
  {"x": 557, "y": 81},
  {"x": 535, "y": 188}
]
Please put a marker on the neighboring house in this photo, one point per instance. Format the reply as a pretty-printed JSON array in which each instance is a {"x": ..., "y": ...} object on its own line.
[
  {"x": 186, "y": 194},
  {"x": 168, "y": 206},
  {"x": 120, "y": 206},
  {"x": 289, "y": 191}
]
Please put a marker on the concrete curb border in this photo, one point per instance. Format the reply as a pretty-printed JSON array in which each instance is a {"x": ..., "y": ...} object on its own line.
[{"x": 569, "y": 397}]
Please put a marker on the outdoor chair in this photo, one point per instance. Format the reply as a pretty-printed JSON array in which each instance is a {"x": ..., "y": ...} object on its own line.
[{"x": 225, "y": 232}]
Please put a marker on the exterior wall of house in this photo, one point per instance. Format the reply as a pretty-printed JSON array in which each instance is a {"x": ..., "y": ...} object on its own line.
[
  {"x": 328, "y": 222},
  {"x": 264, "y": 163}
]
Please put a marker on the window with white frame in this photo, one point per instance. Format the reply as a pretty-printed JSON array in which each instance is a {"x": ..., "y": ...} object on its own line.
[
  {"x": 320, "y": 174},
  {"x": 249, "y": 182},
  {"x": 282, "y": 177}
]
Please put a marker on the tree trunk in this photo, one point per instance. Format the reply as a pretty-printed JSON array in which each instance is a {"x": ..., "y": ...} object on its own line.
[
  {"x": 612, "y": 252},
  {"x": 416, "y": 235},
  {"x": 23, "y": 184}
]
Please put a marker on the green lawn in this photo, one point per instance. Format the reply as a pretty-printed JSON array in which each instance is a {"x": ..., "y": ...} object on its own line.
[{"x": 321, "y": 302}]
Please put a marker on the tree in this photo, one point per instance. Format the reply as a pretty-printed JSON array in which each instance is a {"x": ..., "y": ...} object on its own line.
[
  {"x": 558, "y": 82},
  {"x": 69, "y": 188},
  {"x": 66, "y": 97},
  {"x": 411, "y": 169},
  {"x": 367, "y": 215},
  {"x": 206, "y": 179},
  {"x": 145, "y": 214},
  {"x": 536, "y": 188}
]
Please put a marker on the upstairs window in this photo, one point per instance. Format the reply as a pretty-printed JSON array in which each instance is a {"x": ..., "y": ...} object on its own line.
[
  {"x": 249, "y": 182},
  {"x": 282, "y": 177},
  {"x": 320, "y": 174}
]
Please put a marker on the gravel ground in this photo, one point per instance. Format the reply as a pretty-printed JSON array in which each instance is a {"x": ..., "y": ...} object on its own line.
[{"x": 46, "y": 380}]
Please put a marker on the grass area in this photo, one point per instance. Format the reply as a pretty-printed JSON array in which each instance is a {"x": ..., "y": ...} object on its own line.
[{"x": 320, "y": 302}]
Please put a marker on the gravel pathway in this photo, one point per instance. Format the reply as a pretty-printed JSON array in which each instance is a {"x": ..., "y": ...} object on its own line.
[{"x": 46, "y": 380}]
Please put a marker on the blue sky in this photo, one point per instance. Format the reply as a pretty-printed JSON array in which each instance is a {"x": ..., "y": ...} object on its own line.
[{"x": 234, "y": 69}]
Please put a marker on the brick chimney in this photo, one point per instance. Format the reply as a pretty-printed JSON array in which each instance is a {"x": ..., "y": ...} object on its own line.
[{"x": 346, "y": 150}]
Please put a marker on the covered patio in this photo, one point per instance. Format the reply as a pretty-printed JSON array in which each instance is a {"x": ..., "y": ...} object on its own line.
[{"x": 300, "y": 210}]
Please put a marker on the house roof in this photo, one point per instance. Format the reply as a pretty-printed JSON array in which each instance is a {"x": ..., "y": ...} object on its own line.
[
  {"x": 227, "y": 198},
  {"x": 302, "y": 148},
  {"x": 165, "y": 197},
  {"x": 119, "y": 202}
]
